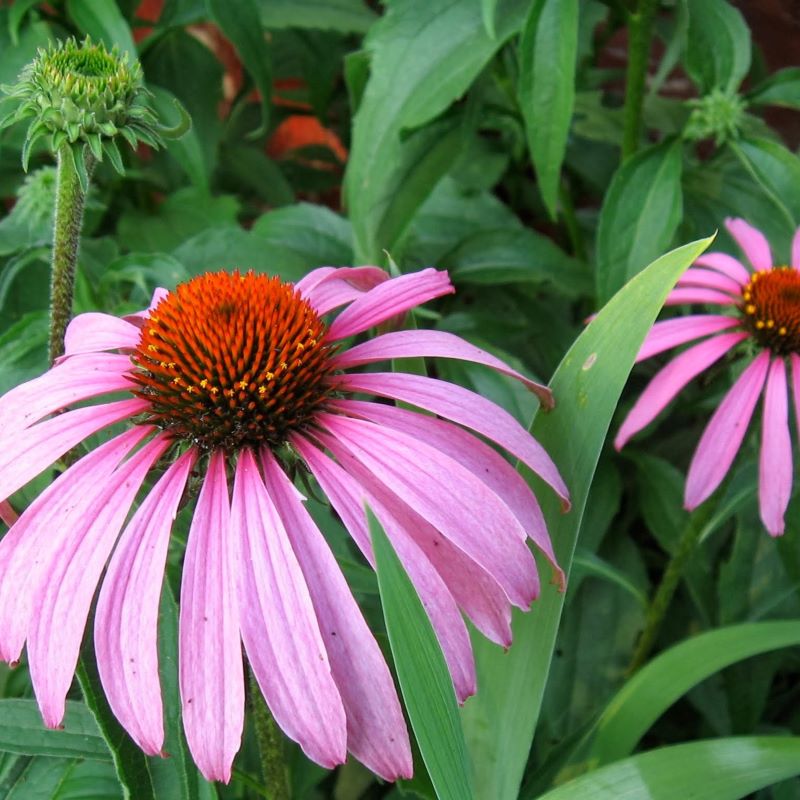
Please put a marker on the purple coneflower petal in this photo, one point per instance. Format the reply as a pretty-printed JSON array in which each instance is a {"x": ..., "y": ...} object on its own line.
[
  {"x": 328, "y": 288},
  {"x": 390, "y": 298},
  {"x": 73, "y": 380},
  {"x": 775, "y": 461},
  {"x": 753, "y": 243},
  {"x": 22, "y": 457},
  {"x": 62, "y": 606},
  {"x": 480, "y": 459},
  {"x": 159, "y": 294},
  {"x": 671, "y": 379},
  {"x": 709, "y": 279},
  {"x": 727, "y": 265},
  {"x": 672, "y": 332},
  {"x": 684, "y": 296},
  {"x": 795, "y": 361},
  {"x": 210, "y": 653},
  {"x": 279, "y": 626},
  {"x": 477, "y": 593},
  {"x": 30, "y": 546},
  {"x": 126, "y": 621},
  {"x": 724, "y": 433},
  {"x": 94, "y": 332},
  {"x": 450, "y": 497},
  {"x": 796, "y": 249},
  {"x": 348, "y": 496},
  {"x": 435, "y": 344},
  {"x": 376, "y": 730},
  {"x": 466, "y": 408}
]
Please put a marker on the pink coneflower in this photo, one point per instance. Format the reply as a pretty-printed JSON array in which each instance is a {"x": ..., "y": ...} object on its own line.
[
  {"x": 763, "y": 315},
  {"x": 236, "y": 379}
]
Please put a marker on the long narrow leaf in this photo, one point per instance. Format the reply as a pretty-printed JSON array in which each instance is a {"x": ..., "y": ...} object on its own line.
[{"x": 587, "y": 385}]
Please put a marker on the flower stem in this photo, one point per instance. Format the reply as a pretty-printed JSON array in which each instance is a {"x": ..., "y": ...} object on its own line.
[
  {"x": 640, "y": 29},
  {"x": 70, "y": 201},
  {"x": 270, "y": 746},
  {"x": 659, "y": 605}
]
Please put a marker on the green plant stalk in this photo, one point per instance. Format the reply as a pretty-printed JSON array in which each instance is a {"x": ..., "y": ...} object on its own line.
[
  {"x": 70, "y": 202},
  {"x": 274, "y": 768},
  {"x": 659, "y": 605},
  {"x": 640, "y": 31}
]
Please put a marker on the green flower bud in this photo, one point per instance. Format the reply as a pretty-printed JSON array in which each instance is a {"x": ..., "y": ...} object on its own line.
[
  {"x": 82, "y": 95},
  {"x": 719, "y": 115}
]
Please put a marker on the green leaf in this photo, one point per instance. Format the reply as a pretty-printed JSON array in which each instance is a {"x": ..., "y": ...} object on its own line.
[
  {"x": 671, "y": 674},
  {"x": 782, "y": 88},
  {"x": 587, "y": 386},
  {"x": 250, "y": 168},
  {"x": 16, "y": 14},
  {"x": 488, "y": 11},
  {"x": 57, "y": 779},
  {"x": 497, "y": 257},
  {"x": 718, "y": 47},
  {"x": 317, "y": 234},
  {"x": 640, "y": 215},
  {"x": 777, "y": 171},
  {"x": 345, "y": 16},
  {"x": 425, "y": 55},
  {"x": 422, "y": 672},
  {"x": 718, "y": 769},
  {"x": 547, "y": 54},
  {"x": 103, "y": 22},
  {"x": 130, "y": 762},
  {"x": 22, "y": 731},
  {"x": 241, "y": 23}
]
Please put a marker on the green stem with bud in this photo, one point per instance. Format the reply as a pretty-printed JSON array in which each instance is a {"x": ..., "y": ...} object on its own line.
[{"x": 70, "y": 202}]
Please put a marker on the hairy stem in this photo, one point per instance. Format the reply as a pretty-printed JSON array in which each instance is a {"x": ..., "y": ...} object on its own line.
[
  {"x": 659, "y": 605},
  {"x": 640, "y": 29},
  {"x": 70, "y": 201},
  {"x": 270, "y": 746}
]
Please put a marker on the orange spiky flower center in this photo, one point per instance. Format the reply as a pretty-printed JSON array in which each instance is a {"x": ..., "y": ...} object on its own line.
[
  {"x": 771, "y": 309},
  {"x": 230, "y": 360}
]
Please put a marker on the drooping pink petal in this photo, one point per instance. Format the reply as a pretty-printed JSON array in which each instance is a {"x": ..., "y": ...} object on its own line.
[
  {"x": 672, "y": 332},
  {"x": 449, "y": 496},
  {"x": 668, "y": 381},
  {"x": 328, "y": 288},
  {"x": 795, "y": 361},
  {"x": 376, "y": 730},
  {"x": 724, "y": 433},
  {"x": 30, "y": 546},
  {"x": 483, "y": 461},
  {"x": 388, "y": 299},
  {"x": 94, "y": 332},
  {"x": 753, "y": 243},
  {"x": 710, "y": 279},
  {"x": 466, "y": 408},
  {"x": 685, "y": 296},
  {"x": 71, "y": 381},
  {"x": 796, "y": 249},
  {"x": 727, "y": 265},
  {"x": 22, "y": 457},
  {"x": 210, "y": 653},
  {"x": 62, "y": 605},
  {"x": 775, "y": 461},
  {"x": 476, "y": 592},
  {"x": 348, "y": 496},
  {"x": 434, "y": 344},
  {"x": 126, "y": 620},
  {"x": 279, "y": 625}
]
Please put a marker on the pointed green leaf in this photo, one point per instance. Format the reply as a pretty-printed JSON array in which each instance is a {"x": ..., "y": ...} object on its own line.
[
  {"x": 587, "y": 386},
  {"x": 547, "y": 54},
  {"x": 640, "y": 215},
  {"x": 719, "y": 769},
  {"x": 112, "y": 151},
  {"x": 422, "y": 672},
  {"x": 649, "y": 693},
  {"x": 103, "y": 22}
]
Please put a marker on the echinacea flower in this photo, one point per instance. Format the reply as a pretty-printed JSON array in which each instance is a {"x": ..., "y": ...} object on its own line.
[
  {"x": 236, "y": 378},
  {"x": 760, "y": 305}
]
